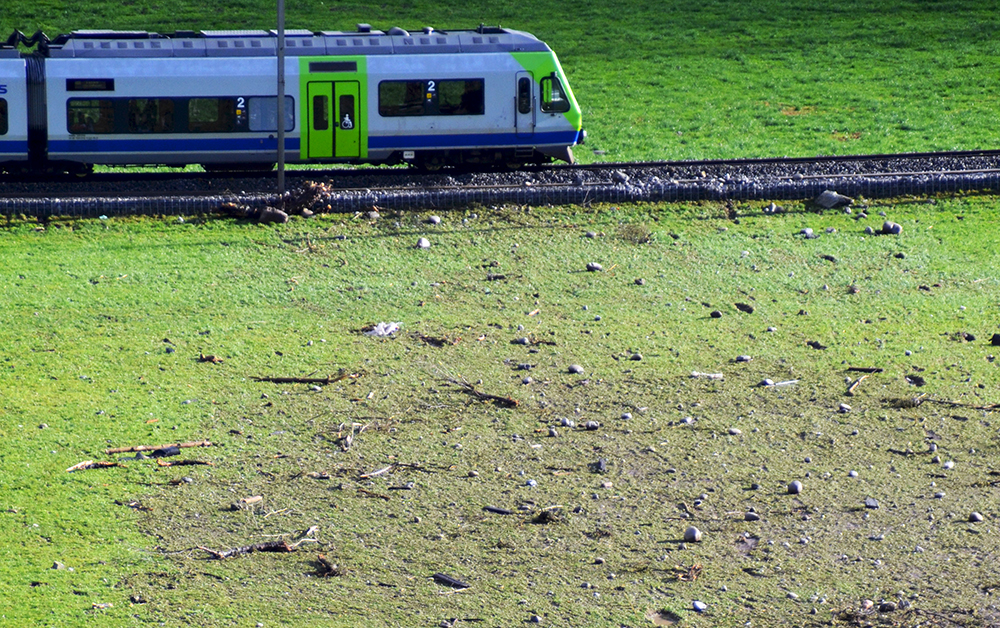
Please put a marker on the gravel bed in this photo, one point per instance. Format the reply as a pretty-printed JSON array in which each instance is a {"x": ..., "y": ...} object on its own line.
[{"x": 360, "y": 189}]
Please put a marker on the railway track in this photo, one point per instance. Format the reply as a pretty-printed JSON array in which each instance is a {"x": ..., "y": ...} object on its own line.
[{"x": 871, "y": 176}]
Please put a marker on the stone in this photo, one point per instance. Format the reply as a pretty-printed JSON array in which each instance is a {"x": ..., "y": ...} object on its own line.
[
  {"x": 891, "y": 228},
  {"x": 751, "y": 516},
  {"x": 423, "y": 243},
  {"x": 843, "y": 408},
  {"x": 594, "y": 267},
  {"x": 636, "y": 357},
  {"x": 795, "y": 488},
  {"x": 692, "y": 535},
  {"x": 975, "y": 517},
  {"x": 715, "y": 314},
  {"x": 699, "y": 606},
  {"x": 640, "y": 282},
  {"x": 626, "y": 416},
  {"x": 869, "y": 230},
  {"x": 852, "y": 473},
  {"x": 592, "y": 426},
  {"x": 743, "y": 358},
  {"x": 575, "y": 369},
  {"x": 871, "y": 503},
  {"x": 830, "y": 199},
  {"x": 434, "y": 220},
  {"x": 734, "y": 431},
  {"x": 886, "y": 607},
  {"x": 591, "y": 234}
]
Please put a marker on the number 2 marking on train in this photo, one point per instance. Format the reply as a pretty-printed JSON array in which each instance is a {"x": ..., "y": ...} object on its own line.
[
  {"x": 431, "y": 86},
  {"x": 240, "y": 102}
]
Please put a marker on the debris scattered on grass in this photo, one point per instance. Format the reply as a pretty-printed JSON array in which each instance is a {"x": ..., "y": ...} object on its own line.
[
  {"x": 246, "y": 503},
  {"x": 90, "y": 464},
  {"x": 182, "y": 463},
  {"x": 448, "y": 581},
  {"x": 382, "y": 330},
  {"x": 214, "y": 359},
  {"x": 699, "y": 375},
  {"x": 830, "y": 200},
  {"x": 497, "y": 400},
  {"x": 270, "y": 546},
  {"x": 328, "y": 568},
  {"x": 122, "y": 450}
]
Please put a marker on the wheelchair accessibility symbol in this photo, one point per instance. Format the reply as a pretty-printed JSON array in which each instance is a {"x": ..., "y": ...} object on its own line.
[{"x": 346, "y": 123}]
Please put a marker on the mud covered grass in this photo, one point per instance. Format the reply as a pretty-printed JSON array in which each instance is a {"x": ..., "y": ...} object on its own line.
[{"x": 105, "y": 326}]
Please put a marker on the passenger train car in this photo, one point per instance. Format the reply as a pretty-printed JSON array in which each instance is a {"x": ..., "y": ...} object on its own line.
[{"x": 432, "y": 98}]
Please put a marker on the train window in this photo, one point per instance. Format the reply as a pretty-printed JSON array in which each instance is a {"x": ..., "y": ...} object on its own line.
[
  {"x": 401, "y": 98},
  {"x": 212, "y": 115},
  {"x": 150, "y": 115},
  {"x": 553, "y": 97},
  {"x": 346, "y": 112},
  {"x": 431, "y": 98},
  {"x": 463, "y": 97},
  {"x": 90, "y": 116},
  {"x": 321, "y": 113},
  {"x": 264, "y": 113},
  {"x": 524, "y": 95},
  {"x": 3, "y": 116}
]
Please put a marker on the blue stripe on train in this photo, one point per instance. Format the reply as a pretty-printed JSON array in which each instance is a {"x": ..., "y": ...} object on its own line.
[
  {"x": 230, "y": 144},
  {"x": 151, "y": 145},
  {"x": 401, "y": 142}
]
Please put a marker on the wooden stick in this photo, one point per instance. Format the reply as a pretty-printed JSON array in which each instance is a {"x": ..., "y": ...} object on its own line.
[
  {"x": 503, "y": 402},
  {"x": 181, "y": 463},
  {"x": 853, "y": 387},
  {"x": 864, "y": 369},
  {"x": 90, "y": 464},
  {"x": 379, "y": 472},
  {"x": 270, "y": 546},
  {"x": 122, "y": 450}
]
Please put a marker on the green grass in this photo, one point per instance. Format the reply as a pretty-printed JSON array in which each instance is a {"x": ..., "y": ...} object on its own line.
[
  {"x": 691, "y": 80},
  {"x": 91, "y": 305}
]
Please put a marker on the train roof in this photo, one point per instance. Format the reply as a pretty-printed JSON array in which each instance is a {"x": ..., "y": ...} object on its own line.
[{"x": 263, "y": 43}]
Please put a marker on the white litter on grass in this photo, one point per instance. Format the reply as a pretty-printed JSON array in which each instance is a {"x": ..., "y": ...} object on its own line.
[{"x": 383, "y": 329}]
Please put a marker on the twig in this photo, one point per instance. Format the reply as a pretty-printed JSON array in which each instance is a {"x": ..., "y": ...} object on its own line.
[
  {"x": 707, "y": 375},
  {"x": 853, "y": 387},
  {"x": 330, "y": 379},
  {"x": 327, "y": 567},
  {"x": 182, "y": 463},
  {"x": 270, "y": 546},
  {"x": 379, "y": 472},
  {"x": 373, "y": 494},
  {"x": 864, "y": 369},
  {"x": 503, "y": 402},
  {"x": 121, "y": 450},
  {"x": 90, "y": 464}
]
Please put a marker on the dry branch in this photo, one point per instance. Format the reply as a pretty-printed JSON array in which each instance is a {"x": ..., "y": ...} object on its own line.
[
  {"x": 270, "y": 546},
  {"x": 853, "y": 387},
  {"x": 90, "y": 464},
  {"x": 327, "y": 567},
  {"x": 121, "y": 450},
  {"x": 497, "y": 400},
  {"x": 182, "y": 463},
  {"x": 329, "y": 379}
]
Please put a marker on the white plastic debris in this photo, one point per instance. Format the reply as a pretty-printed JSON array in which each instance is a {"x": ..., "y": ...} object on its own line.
[{"x": 383, "y": 329}]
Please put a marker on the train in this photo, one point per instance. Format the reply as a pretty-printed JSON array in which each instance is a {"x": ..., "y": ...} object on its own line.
[{"x": 430, "y": 98}]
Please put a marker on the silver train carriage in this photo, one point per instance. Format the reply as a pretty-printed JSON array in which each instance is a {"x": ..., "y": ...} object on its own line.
[{"x": 433, "y": 98}]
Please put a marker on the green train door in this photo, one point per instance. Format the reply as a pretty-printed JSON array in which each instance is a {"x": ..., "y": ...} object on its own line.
[{"x": 334, "y": 127}]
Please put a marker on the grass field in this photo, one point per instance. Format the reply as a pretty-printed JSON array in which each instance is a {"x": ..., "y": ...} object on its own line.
[
  {"x": 700, "y": 80},
  {"x": 105, "y": 322}
]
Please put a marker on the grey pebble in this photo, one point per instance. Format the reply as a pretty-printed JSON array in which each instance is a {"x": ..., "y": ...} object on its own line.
[
  {"x": 434, "y": 220},
  {"x": 743, "y": 358},
  {"x": 715, "y": 314},
  {"x": 795, "y": 488},
  {"x": 636, "y": 357},
  {"x": 626, "y": 416},
  {"x": 751, "y": 516},
  {"x": 423, "y": 243},
  {"x": 576, "y": 369},
  {"x": 640, "y": 282},
  {"x": 852, "y": 474},
  {"x": 591, "y": 234},
  {"x": 735, "y": 431},
  {"x": 527, "y": 380},
  {"x": 692, "y": 535},
  {"x": 699, "y": 606},
  {"x": 975, "y": 517},
  {"x": 594, "y": 267},
  {"x": 553, "y": 432},
  {"x": 871, "y": 503},
  {"x": 592, "y": 425},
  {"x": 531, "y": 483}
]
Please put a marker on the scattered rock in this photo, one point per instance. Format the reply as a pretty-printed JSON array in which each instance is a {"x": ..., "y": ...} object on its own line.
[
  {"x": 636, "y": 357},
  {"x": 743, "y": 358},
  {"x": 891, "y": 228},
  {"x": 886, "y": 607},
  {"x": 58, "y": 565},
  {"x": 434, "y": 220},
  {"x": 871, "y": 503},
  {"x": 591, "y": 234},
  {"x": 735, "y": 431},
  {"x": 692, "y": 535},
  {"x": 640, "y": 282},
  {"x": 869, "y": 230},
  {"x": 592, "y": 426},
  {"x": 830, "y": 199},
  {"x": 576, "y": 369},
  {"x": 271, "y": 214},
  {"x": 423, "y": 243},
  {"x": 745, "y": 307},
  {"x": 594, "y": 267},
  {"x": 715, "y": 314},
  {"x": 626, "y": 416},
  {"x": 751, "y": 516},
  {"x": 619, "y": 177},
  {"x": 699, "y": 606},
  {"x": 795, "y": 488},
  {"x": 843, "y": 408}
]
